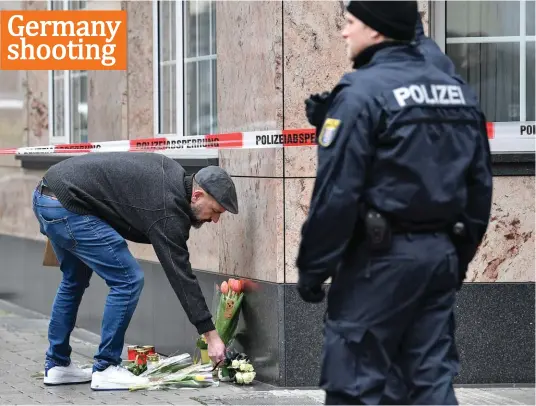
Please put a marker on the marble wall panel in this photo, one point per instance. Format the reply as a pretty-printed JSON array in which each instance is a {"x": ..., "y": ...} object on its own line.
[
  {"x": 250, "y": 80},
  {"x": 297, "y": 200},
  {"x": 203, "y": 246},
  {"x": 507, "y": 252},
  {"x": 315, "y": 59},
  {"x": 424, "y": 9},
  {"x": 107, "y": 92},
  {"x": 140, "y": 69},
  {"x": 16, "y": 214},
  {"x": 37, "y": 108},
  {"x": 251, "y": 243},
  {"x": 107, "y": 105},
  {"x": 505, "y": 255},
  {"x": 13, "y": 104},
  {"x": 37, "y": 103}
]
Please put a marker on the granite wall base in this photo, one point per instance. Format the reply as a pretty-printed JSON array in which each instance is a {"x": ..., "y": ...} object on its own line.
[{"x": 282, "y": 334}]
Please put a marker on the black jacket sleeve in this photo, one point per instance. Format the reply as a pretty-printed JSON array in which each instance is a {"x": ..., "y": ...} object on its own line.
[
  {"x": 170, "y": 246},
  {"x": 342, "y": 167},
  {"x": 479, "y": 201}
]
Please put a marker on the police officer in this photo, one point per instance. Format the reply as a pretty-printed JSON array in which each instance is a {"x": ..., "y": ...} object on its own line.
[{"x": 403, "y": 160}]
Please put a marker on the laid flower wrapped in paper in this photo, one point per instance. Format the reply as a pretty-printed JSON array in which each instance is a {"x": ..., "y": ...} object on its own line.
[
  {"x": 169, "y": 366},
  {"x": 193, "y": 376}
]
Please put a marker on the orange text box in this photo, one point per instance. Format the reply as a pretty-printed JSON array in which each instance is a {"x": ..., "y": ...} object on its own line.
[{"x": 63, "y": 40}]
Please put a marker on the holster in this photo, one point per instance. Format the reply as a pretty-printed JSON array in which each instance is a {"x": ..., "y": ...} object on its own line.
[
  {"x": 458, "y": 236},
  {"x": 378, "y": 231}
]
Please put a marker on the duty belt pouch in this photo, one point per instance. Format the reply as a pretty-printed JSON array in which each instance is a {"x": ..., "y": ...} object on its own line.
[{"x": 378, "y": 231}]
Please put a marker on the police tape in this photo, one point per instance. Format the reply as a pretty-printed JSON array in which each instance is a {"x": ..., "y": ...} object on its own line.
[{"x": 235, "y": 140}]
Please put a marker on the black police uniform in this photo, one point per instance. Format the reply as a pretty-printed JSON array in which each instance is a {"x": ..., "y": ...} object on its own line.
[
  {"x": 396, "y": 392},
  {"x": 408, "y": 140}
]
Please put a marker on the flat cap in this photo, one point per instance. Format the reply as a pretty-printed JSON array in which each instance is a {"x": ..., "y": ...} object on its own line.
[{"x": 217, "y": 183}]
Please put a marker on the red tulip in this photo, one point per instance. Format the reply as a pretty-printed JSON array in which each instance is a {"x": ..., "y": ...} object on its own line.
[
  {"x": 224, "y": 288},
  {"x": 235, "y": 285}
]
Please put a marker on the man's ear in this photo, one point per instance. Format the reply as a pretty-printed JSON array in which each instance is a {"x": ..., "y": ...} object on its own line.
[{"x": 196, "y": 195}]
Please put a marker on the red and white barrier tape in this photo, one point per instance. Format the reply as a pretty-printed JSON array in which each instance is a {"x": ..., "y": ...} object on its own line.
[{"x": 238, "y": 140}]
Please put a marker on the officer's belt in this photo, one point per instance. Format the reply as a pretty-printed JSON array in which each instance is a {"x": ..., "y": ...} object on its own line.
[{"x": 402, "y": 228}]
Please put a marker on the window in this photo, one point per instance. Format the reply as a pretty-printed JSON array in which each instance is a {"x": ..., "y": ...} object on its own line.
[
  {"x": 493, "y": 45},
  {"x": 12, "y": 91},
  {"x": 68, "y": 95},
  {"x": 185, "y": 75}
]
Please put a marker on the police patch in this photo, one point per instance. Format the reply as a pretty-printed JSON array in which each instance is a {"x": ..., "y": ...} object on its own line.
[{"x": 329, "y": 131}]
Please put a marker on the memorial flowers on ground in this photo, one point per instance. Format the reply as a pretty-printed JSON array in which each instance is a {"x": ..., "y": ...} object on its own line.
[
  {"x": 227, "y": 303},
  {"x": 237, "y": 368},
  {"x": 177, "y": 372},
  {"x": 181, "y": 371}
]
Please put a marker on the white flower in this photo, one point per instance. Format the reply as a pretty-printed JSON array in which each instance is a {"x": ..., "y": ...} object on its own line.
[
  {"x": 239, "y": 377},
  {"x": 246, "y": 368},
  {"x": 235, "y": 364},
  {"x": 248, "y": 377}
]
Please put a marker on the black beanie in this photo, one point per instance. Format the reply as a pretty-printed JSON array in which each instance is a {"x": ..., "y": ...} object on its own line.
[{"x": 394, "y": 19}]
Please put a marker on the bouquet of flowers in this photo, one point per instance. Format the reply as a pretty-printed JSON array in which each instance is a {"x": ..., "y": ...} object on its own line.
[
  {"x": 237, "y": 368},
  {"x": 226, "y": 307},
  {"x": 228, "y": 310}
]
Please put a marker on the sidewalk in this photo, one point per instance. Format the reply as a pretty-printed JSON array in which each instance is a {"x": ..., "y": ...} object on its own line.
[{"x": 23, "y": 335}]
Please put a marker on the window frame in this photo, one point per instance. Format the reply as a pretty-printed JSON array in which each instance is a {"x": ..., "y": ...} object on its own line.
[
  {"x": 66, "y": 77},
  {"x": 179, "y": 70},
  {"x": 180, "y": 88},
  {"x": 438, "y": 31}
]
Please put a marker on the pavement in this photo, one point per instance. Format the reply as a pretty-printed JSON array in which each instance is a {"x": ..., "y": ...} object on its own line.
[{"x": 23, "y": 335}]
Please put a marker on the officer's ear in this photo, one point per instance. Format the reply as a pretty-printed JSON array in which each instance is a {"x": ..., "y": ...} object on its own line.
[{"x": 376, "y": 36}]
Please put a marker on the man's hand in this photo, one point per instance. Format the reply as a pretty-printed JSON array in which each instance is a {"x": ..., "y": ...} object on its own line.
[
  {"x": 316, "y": 108},
  {"x": 216, "y": 347},
  {"x": 311, "y": 294}
]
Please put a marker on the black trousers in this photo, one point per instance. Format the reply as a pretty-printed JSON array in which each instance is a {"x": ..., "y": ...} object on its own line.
[
  {"x": 389, "y": 330},
  {"x": 395, "y": 393}
]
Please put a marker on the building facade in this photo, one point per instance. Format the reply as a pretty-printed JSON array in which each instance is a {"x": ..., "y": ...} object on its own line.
[{"x": 200, "y": 67}]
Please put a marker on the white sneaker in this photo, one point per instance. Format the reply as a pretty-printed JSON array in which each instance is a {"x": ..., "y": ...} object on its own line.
[
  {"x": 65, "y": 375},
  {"x": 115, "y": 378}
]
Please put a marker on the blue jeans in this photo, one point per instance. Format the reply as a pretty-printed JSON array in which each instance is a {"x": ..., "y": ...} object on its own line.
[{"x": 84, "y": 244}]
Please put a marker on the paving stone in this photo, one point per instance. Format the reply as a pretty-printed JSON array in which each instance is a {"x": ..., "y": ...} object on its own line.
[
  {"x": 51, "y": 400},
  {"x": 10, "y": 390},
  {"x": 496, "y": 396},
  {"x": 259, "y": 398},
  {"x": 18, "y": 400}
]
